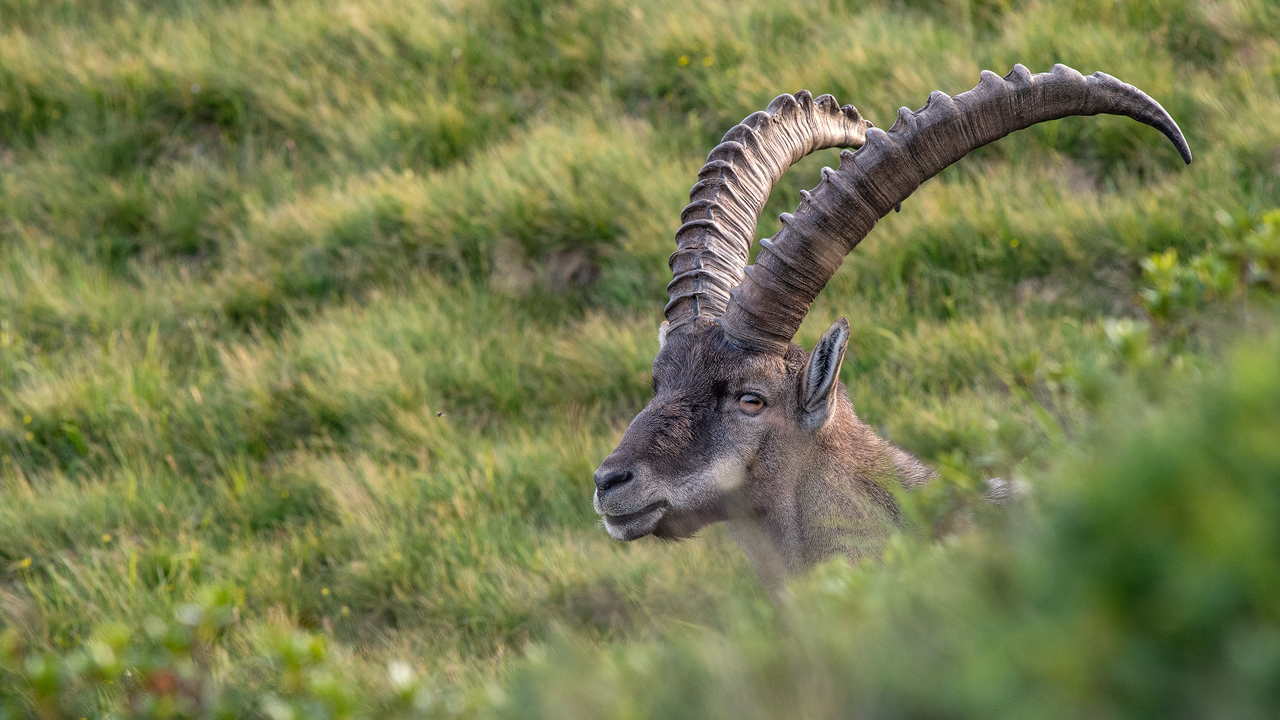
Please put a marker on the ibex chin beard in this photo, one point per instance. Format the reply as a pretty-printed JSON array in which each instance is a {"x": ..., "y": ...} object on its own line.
[
  {"x": 634, "y": 525},
  {"x": 729, "y": 383}
]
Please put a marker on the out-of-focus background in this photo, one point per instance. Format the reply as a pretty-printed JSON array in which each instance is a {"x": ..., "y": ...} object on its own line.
[{"x": 316, "y": 317}]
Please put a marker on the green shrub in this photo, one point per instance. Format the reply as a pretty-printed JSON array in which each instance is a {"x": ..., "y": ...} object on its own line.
[{"x": 1246, "y": 261}]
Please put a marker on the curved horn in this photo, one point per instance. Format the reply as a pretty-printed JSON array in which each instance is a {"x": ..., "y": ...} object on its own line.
[
  {"x": 769, "y": 304},
  {"x": 720, "y": 220}
]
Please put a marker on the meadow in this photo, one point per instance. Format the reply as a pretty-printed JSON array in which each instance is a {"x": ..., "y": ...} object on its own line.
[{"x": 316, "y": 318}]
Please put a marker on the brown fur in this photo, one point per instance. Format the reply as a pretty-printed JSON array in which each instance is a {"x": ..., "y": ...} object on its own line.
[{"x": 800, "y": 481}]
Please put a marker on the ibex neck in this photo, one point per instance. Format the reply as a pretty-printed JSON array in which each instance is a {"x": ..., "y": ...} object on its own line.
[{"x": 837, "y": 499}]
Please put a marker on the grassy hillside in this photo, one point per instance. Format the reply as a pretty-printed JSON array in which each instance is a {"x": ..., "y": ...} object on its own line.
[{"x": 316, "y": 317}]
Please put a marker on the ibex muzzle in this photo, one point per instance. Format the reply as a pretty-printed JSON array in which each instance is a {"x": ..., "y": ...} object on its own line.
[{"x": 746, "y": 426}]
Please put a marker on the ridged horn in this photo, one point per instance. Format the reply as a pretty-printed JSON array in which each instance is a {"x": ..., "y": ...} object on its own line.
[
  {"x": 719, "y": 223},
  {"x": 767, "y": 307}
]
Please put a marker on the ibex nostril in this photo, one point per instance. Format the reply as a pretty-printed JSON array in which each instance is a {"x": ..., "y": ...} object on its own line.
[{"x": 606, "y": 480}]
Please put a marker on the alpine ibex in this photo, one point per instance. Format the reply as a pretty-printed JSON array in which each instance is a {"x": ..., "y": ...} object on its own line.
[{"x": 746, "y": 426}]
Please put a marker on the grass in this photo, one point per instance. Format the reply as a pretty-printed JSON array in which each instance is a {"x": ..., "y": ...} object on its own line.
[{"x": 316, "y": 317}]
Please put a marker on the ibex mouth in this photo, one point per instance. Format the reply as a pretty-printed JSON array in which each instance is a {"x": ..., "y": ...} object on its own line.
[{"x": 636, "y": 524}]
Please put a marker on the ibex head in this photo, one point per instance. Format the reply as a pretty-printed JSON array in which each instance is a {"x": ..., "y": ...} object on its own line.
[
  {"x": 735, "y": 401},
  {"x": 719, "y": 412}
]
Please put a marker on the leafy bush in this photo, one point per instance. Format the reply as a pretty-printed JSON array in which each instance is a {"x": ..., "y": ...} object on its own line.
[
  {"x": 166, "y": 671},
  {"x": 1249, "y": 259}
]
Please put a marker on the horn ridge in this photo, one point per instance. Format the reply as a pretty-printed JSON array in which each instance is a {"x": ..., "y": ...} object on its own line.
[
  {"x": 767, "y": 308},
  {"x": 714, "y": 241}
]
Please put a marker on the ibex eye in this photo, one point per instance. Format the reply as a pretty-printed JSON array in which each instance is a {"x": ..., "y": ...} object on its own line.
[{"x": 751, "y": 404}]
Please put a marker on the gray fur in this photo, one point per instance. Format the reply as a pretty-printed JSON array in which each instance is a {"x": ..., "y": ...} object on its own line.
[{"x": 696, "y": 458}]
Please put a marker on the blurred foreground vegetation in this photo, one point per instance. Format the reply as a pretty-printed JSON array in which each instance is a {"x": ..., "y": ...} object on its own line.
[{"x": 316, "y": 317}]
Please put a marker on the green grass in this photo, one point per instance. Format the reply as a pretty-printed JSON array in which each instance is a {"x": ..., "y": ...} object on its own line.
[{"x": 318, "y": 316}]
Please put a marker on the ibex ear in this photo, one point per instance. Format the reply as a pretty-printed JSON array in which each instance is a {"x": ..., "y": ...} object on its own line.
[
  {"x": 822, "y": 377},
  {"x": 662, "y": 333}
]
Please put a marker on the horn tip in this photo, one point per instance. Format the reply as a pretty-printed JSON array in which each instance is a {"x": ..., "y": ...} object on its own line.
[{"x": 1179, "y": 140}]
